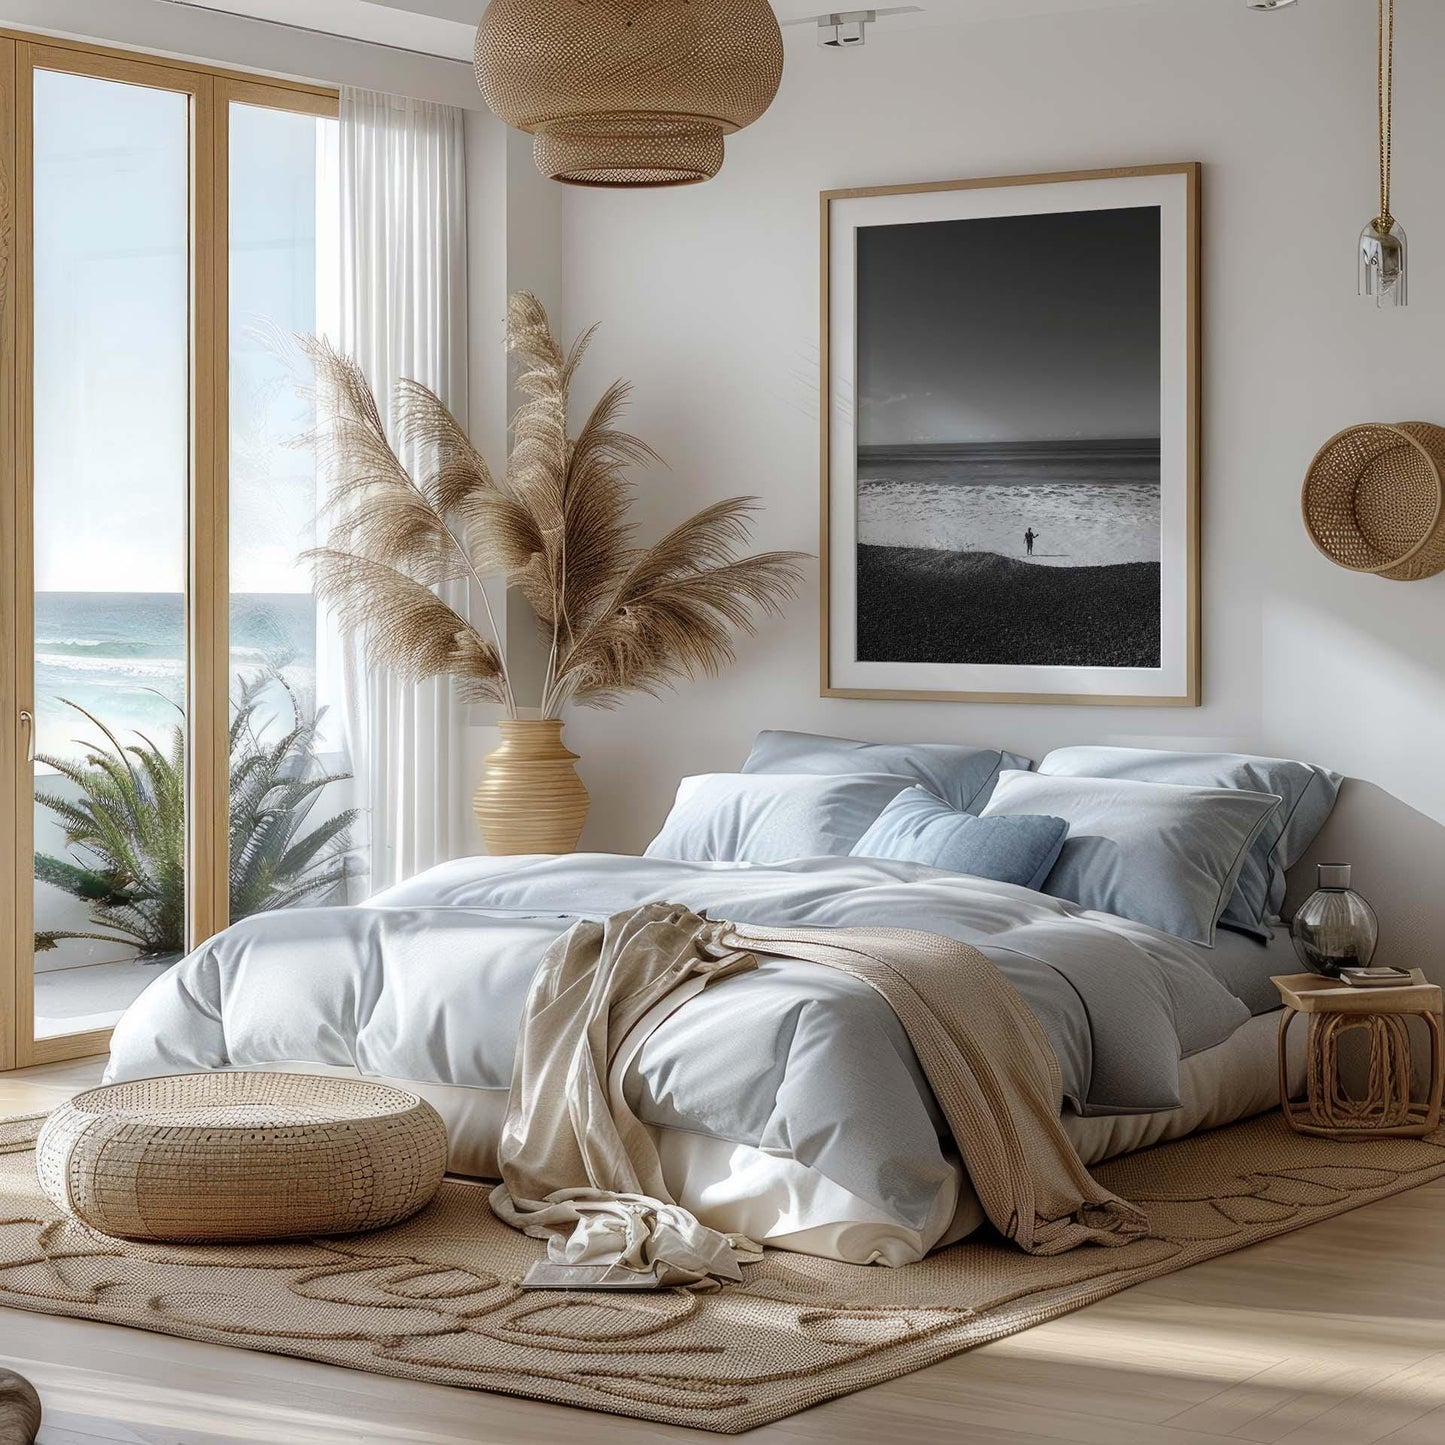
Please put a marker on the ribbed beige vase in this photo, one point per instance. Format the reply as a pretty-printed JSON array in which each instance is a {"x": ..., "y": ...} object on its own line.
[{"x": 530, "y": 799}]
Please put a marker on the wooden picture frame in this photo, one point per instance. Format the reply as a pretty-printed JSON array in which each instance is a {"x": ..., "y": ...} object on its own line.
[{"x": 911, "y": 648}]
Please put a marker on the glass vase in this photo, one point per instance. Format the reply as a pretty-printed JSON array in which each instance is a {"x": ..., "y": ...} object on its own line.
[{"x": 1334, "y": 927}]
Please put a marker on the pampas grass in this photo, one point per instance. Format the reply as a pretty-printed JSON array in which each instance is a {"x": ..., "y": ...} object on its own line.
[{"x": 615, "y": 617}]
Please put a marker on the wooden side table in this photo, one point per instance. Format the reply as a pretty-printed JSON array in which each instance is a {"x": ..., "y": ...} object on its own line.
[{"x": 1335, "y": 1009}]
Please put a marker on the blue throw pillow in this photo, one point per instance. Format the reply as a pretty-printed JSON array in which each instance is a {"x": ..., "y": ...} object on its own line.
[{"x": 916, "y": 827}]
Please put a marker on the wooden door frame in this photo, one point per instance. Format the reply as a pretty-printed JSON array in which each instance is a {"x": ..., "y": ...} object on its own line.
[
  {"x": 211, "y": 93},
  {"x": 10, "y": 744}
]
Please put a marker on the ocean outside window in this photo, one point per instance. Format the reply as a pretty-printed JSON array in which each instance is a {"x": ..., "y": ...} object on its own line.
[
  {"x": 112, "y": 207},
  {"x": 293, "y": 837},
  {"x": 111, "y": 419}
]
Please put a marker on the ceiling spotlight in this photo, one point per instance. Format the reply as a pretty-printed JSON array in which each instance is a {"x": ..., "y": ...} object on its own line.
[
  {"x": 840, "y": 29},
  {"x": 849, "y": 27},
  {"x": 1268, "y": 4}
]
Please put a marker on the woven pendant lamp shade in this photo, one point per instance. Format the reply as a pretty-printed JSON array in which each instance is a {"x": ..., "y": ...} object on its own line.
[{"x": 629, "y": 92}]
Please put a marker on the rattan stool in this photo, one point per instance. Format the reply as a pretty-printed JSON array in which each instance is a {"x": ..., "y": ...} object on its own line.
[
  {"x": 1335, "y": 1009},
  {"x": 241, "y": 1156}
]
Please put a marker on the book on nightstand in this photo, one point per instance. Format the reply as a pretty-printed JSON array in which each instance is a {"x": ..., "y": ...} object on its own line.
[{"x": 1383, "y": 977}]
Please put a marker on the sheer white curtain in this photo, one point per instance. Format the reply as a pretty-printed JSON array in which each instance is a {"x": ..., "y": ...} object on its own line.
[{"x": 404, "y": 314}]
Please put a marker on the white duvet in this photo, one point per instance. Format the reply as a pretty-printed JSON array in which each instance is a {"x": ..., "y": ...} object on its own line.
[{"x": 787, "y": 1102}]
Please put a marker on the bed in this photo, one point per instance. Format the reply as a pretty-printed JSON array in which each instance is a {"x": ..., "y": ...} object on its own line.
[{"x": 786, "y": 1103}]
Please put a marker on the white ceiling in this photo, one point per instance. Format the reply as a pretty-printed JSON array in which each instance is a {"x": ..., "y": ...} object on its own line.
[
  {"x": 468, "y": 12},
  {"x": 436, "y": 27},
  {"x": 448, "y": 27}
]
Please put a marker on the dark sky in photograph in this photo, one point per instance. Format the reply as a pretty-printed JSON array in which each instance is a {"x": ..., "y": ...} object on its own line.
[{"x": 1020, "y": 328}]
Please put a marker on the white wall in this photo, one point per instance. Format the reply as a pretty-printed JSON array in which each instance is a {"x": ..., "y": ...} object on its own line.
[
  {"x": 708, "y": 299},
  {"x": 514, "y": 243}
]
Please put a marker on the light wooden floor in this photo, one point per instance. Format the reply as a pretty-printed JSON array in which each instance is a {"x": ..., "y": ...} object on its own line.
[{"x": 1334, "y": 1335}]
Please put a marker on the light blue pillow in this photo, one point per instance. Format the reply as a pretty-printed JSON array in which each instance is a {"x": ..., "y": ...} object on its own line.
[
  {"x": 1159, "y": 853},
  {"x": 771, "y": 817},
  {"x": 1308, "y": 795},
  {"x": 959, "y": 774},
  {"x": 916, "y": 827}
]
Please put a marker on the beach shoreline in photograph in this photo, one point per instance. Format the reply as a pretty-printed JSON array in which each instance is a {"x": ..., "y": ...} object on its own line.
[
  {"x": 1087, "y": 502},
  {"x": 919, "y": 604}
]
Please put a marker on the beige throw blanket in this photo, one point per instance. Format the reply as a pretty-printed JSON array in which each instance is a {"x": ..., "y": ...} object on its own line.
[{"x": 580, "y": 1170}]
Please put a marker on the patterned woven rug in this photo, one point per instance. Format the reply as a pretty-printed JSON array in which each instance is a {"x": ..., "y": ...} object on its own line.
[{"x": 436, "y": 1298}]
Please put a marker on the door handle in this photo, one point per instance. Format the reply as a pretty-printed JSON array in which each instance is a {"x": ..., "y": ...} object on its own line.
[{"x": 27, "y": 718}]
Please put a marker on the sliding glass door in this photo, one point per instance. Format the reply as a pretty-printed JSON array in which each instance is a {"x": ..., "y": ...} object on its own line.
[
  {"x": 110, "y": 447},
  {"x": 162, "y": 232}
]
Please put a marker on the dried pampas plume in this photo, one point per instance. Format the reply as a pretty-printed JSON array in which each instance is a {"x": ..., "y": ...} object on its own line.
[{"x": 616, "y": 618}]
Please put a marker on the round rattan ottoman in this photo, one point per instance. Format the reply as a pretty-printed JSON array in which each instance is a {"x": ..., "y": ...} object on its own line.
[{"x": 212, "y": 1158}]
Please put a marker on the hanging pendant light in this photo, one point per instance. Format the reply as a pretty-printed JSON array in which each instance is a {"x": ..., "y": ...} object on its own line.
[
  {"x": 1384, "y": 254},
  {"x": 629, "y": 92}
]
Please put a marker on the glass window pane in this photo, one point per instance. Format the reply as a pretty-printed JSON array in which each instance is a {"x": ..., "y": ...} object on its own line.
[
  {"x": 111, "y": 379},
  {"x": 293, "y": 836}
]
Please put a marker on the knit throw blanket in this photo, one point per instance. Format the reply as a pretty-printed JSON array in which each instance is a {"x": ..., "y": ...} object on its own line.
[{"x": 580, "y": 1170}]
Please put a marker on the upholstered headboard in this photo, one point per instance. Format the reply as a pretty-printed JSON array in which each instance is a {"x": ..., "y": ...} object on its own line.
[{"x": 1398, "y": 856}]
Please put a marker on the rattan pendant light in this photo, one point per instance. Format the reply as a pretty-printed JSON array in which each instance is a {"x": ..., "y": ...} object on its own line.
[{"x": 629, "y": 92}]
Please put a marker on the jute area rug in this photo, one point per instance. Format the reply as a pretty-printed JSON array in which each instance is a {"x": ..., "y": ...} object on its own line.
[{"x": 437, "y": 1299}]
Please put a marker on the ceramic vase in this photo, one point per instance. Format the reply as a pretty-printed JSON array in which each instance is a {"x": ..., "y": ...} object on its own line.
[{"x": 530, "y": 799}]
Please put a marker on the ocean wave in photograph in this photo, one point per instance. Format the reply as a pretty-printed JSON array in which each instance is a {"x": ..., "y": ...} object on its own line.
[
  {"x": 1090, "y": 504},
  {"x": 121, "y": 656}
]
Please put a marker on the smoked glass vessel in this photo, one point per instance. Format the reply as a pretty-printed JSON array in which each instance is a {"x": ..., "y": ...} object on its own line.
[{"x": 1334, "y": 927}]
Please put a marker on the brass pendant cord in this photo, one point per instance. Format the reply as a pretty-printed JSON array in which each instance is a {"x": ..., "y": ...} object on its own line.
[{"x": 1385, "y": 222}]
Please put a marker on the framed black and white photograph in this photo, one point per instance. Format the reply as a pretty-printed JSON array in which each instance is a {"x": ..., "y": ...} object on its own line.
[{"x": 1010, "y": 440}]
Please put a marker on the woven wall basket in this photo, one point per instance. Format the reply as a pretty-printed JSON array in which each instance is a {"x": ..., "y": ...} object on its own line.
[{"x": 1374, "y": 500}]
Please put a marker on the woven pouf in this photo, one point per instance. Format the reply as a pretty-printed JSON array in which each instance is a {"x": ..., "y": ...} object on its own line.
[{"x": 210, "y": 1158}]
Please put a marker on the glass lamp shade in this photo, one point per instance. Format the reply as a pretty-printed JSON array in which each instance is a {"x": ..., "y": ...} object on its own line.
[
  {"x": 1384, "y": 265},
  {"x": 1334, "y": 927}
]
